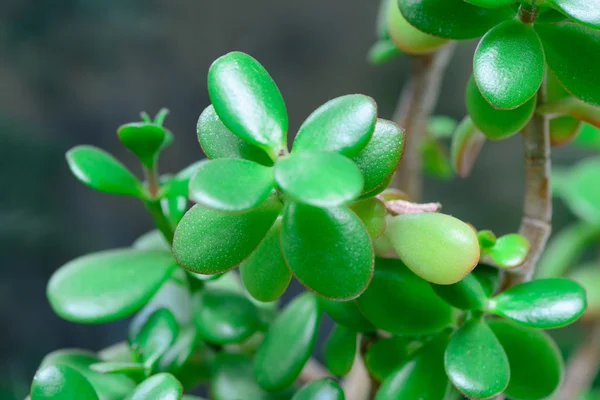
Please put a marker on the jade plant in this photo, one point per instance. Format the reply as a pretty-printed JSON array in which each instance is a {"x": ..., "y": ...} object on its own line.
[{"x": 425, "y": 305}]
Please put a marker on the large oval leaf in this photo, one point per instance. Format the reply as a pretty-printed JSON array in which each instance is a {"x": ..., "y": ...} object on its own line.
[
  {"x": 59, "y": 382},
  {"x": 318, "y": 178},
  {"x": 509, "y": 64},
  {"x": 384, "y": 356},
  {"x": 328, "y": 250},
  {"x": 210, "y": 242},
  {"x": 109, "y": 285},
  {"x": 476, "y": 362},
  {"x": 346, "y": 313},
  {"x": 343, "y": 125},
  {"x": 397, "y": 299},
  {"x": 321, "y": 389},
  {"x": 248, "y": 101},
  {"x": 405, "y": 36},
  {"x": 231, "y": 185},
  {"x": 340, "y": 350},
  {"x": 287, "y": 344},
  {"x": 585, "y": 12},
  {"x": 160, "y": 386}
]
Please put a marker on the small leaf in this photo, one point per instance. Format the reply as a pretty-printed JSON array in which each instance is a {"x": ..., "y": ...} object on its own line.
[
  {"x": 536, "y": 365},
  {"x": 340, "y": 350},
  {"x": 145, "y": 140},
  {"x": 265, "y": 273},
  {"x": 223, "y": 317},
  {"x": 452, "y": 19},
  {"x": 343, "y": 125},
  {"x": 397, "y": 299},
  {"x": 544, "y": 303},
  {"x": 347, "y": 314},
  {"x": 510, "y": 251},
  {"x": 563, "y": 44},
  {"x": 563, "y": 130},
  {"x": 60, "y": 382},
  {"x": 155, "y": 337},
  {"x": 101, "y": 171},
  {"x": 476, "y": 362},
  {"x": 218, "y": 142},
  {"x": 382, "y": 51},
  {"x": 380, "y": 158},
  {"x": 231, "y": 185},
  {"x": 372, "y": 213},
  {"x": 384, "y": 356},
  {"x": 318, "y": 178},
  {"x": 160, "y": 386},
  {"x": 509, "y": 65},
  {"x": 109, "y": 285},
  {"x": 321, "y": 389},
  {"x": 588, "y": 276},
  {"x": 493, "y": 123},
  {"x": 441, "y": 126},
  {"x": 328, "y": 250},
  {"x": 436, "y": 162},
  {"x": 292, "y": 334},
  {"x": 248, "y": 102},
  {"x": 466, "y": 294},
  {"x": 131, "y": 369},
  {"x": 437, "y": 247},
  {"x": 118, "y": 352},
  {"x": 487, "y": 239},
  {"x": 466, "y": 145},
  {"x": 210, "y": 242},
  {"x": 585, "y": 12}
]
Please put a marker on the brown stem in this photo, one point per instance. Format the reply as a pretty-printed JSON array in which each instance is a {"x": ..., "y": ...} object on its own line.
[
  {"x": 582, "y": 366},
  {"x": 417, "y": 102}
]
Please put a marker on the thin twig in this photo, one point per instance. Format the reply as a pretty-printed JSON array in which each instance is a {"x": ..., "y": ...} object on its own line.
[
  {"x": 417, "y": 102},
  {"x": 582, "y": 366}
]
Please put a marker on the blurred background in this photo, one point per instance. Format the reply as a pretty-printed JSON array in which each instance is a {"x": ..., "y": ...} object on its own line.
[{"x": 72, "y": 71}]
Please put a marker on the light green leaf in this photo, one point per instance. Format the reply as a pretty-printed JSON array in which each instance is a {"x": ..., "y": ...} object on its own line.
[
  {"x": 321, "y": 389},
  {"x": 372, "y": 213},
  {"x": 155, "y": 337},
  {"x": 382, "y": 51},
  {"x": 586, "y": 12},
  {"x": 60, "y": 382},
  {"x": 589, "y": 137},
  {"x": 161, "y": 386},
  {"x": 510, "y": 251}
]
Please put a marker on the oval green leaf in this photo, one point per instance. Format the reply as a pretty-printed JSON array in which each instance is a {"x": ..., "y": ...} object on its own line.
[
  {"x": 510, "y": 251},
  {"x": 466, "y": 145},
  {"x": 155, "y": 337},
  {"x": 135, "y": 371},
  {"x": 60, "y": 382},
  {"x": 382, "y": 52},
  {"x": 372, "y": 213},
  {"x": 585, "y": 12},
  {"x": 406, "y": 37},
  {"x": 384, "y": 356},
  {"x": 145, "y": 140},
  {"x": 466, "y": 294},
  {"x": 321, "y": 389},
  {"x": 588, "y": 276},
  {"x": 346, "y": 313},
  {"x": 339, "y": 350},
  {"x": 488, "y": 277},
  {"x": 176, "y": 357},
  {"x": 161, "y": 386}
]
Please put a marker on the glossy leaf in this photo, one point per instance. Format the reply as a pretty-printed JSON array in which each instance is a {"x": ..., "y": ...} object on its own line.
[
  {"x": 101, "y": 171},
  {"x": 491, "y": 3},
  {"x": 437, "y": 247},
  {"x": 543, "y": 303},
  {"x": 218, "y": 142},
  {"x": 321, "y": 389},
  {"x": 380, "y": 158},
  {"x": 248, "y": 102},
  {"x": 585, "y": 12},
  {"x": 143, "y": 139},
  {"x": 452, "y": 19},
  {"x": 563, "y": 44},
  {"x": 109, "y": 285},
  {"x": 466, "y": 294},
  {"x": 340, "y": 350},
  {"x": 372, "y": 213},
  {"x": 496, "y": 124},
  {"x": 118, "y": 352},
  {"x": 60, "y": 382},
  {"x": 509, "y": 65},
  {"x": 328, "y": 250},
  {"x": 160, "y": 386},
  {"x": 223, "y": 317},
  {"x": 231, "y": 185},
  {"x": 265, "y": 273},
  {"x": 382, "y": 52},
  {"x": 488, "y": 277},
  {"x": 210, "y": 242},
  {"x": 510, "y": 251},
  {"x": 476, "y": 362},
  {"x": 347, "y": 314},
  {"x": 135, "y": 371},
  {"x": 421, "y": 377},
  {"x": 343, "y": 125},
  {"x": 384, "y": 356},
  {"x": 487, "y": 239},
  {"x": 318, "y": 178},
  {"x": 536, "y": 365},
  {"x": 155, "y": 337},
  {"x": 466, "y": 145},
  {"x": 588, "y": 276},
  {"x": 397, "y": 299},
  {"x": 292, "y": 334}
]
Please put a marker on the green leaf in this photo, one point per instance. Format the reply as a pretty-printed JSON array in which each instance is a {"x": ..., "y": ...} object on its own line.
[
  {"x": 563, "y": 130},
  {"x": 101, "y": 171},
  {"x": 509, "y": 65},
  {"x": 372, "y": 213},
  {"x": 491, "y": 3},
  {"x": 544, "y": 303},
  {"x": 231, "y": 185},
  {"x": 152, "y": 240},
  {"x": 380, "y": 158},
  {"x": 321, "y": 389},
  {"x": 223, "y": 317},
  {"x": 180, "y": 352},
  {"x": 585, "y": 12},
  {"x": 160, "y": 386},
  {"x": 452, "y": 19},
  {"x": 421, "y": 377},
  {"x": 339, "y": 350},
  {"x": 109, "y": 285},
  {"x": 155, "y": 337},
  {"x": 328, "y": 250},
  {"x": 564, "y": 44},
  {"x": 384, "y": 356},
  {"x": 487, "y": 240},
  {"x": 397, "y": 299},
  {"x": 248, "y": 102},
  {"x": 319, "y": 178},
  {"x": 287, "y": 344},
  {"x": 488, "y": 277},
  {"x": 589, "y": 137},
  {"x": 346, "y": 313},
  {"x": 466, "y": 145},
  {"x": 60, "y": 382},
  {"x": 436, "y": 162},
  {"x": 174, "y": 202},
  {"x": 218, "y": 142},
  {"x": 210, "y": 242},
  {"x": 510, "y": 251},
  {"x": 135, "y": 371},
  {"x": 441, "y": 126},
  {"x": 493, "y": 123},
  {"x": 382, "y": 51},
  {"x": 145, "y": 140},
  {"x": 588, "y": 276},
  {"x": 476, "y": 362},
  {"x": 343, "y": 125},
  {"x": 581, "y": 192},
  {"x": 265, "y": 273},
  {"x": 536, "y": 365},
  {"x": 437, "y": 247},
  {"x": 466, "y": 294},
  {"x": 118, "y": 352}
]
